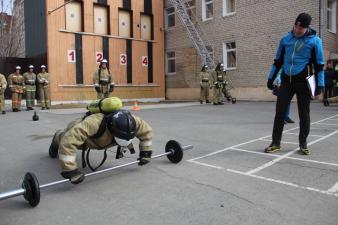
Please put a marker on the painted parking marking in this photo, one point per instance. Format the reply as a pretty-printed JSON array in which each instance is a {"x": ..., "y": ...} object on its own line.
[
  {"x": 274, "y": 161},
  {"x": 254, "y": 140},
  {"x": 310, "y": 135},
  {"x": 283, "y": 183},
  {"x": 292, "y": 158},
  {"x": 331, "y": 191},
  {"x": 334, "y": 188},
  {"x": 282, "y": 142}
]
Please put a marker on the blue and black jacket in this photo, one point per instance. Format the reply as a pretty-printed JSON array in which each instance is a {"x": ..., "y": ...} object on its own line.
[{"x": 296, "y": 53}]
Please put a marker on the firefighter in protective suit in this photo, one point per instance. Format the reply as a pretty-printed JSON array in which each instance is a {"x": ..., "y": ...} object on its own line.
[
  {"x": 118, "y": 128},
  {"x": 16, "y": 83},
  {"x": 205, "y": 84},
  {"x": 3, "y": 85},
  {"x": 217, "y": 80},
  {"x": 30, "y": 80},
  {"x": 103, "y": 81}
]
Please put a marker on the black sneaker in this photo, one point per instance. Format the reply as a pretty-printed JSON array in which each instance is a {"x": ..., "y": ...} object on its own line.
[
  {"x": 75, "y": 176},
  {"x": 304, "y": 150},
  {"x": 220, "y": 103},
  {"x": 215, "y": 103},
  {"x": 288, "y": 120},
  {"x": 3, "y": 112},
  {"x": 272, "y": 148}
]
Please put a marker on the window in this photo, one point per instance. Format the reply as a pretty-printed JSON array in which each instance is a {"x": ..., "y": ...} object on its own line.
[
  {"x": 331, "y": 15},
  {"x": 74, "y": 15},
  {"x": 171, "y": 67},
  {"x": 210, "y": 51},
  {"x": 229, "y": 55},
  {"x": 191, "y": 8},
  {"x": 146, "y": 27},
  {"x": 101, "y": 18},
  {"x": 207, "y": 9},
  {"x": 228, "y": 7},
  {"x": 170, "y": 17},
  {"x": 125, "y": 28}
]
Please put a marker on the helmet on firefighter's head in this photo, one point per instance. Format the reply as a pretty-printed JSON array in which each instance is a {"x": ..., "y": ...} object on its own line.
[
  {"x": 122, "y": 126},
  {"x": 205, "y": 68},
  {"x": 220, "y": 67}
]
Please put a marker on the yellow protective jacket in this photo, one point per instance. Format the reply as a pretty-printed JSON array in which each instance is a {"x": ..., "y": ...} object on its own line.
[
  {"x": 79, "y": 134},
  {"x": 30, "y": 79},
  {"x": 204, "y": 79},
  {"x": 3, "y": 84},
  {"x": 16, "y": 83},
  {"x": 43, "y": 80}
]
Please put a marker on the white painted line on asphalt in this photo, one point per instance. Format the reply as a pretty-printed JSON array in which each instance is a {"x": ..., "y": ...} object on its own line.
[
  {"x": 310, "y": 135},
  {"x": 293, "y": 158},
  {"x": 282, "y": 142},
  {"x": 274, "y": 161},
  {"x": 254, "y": 152},
  {"x": 328, "y": 124},
  {"x": 333, "y": 119},
  {"x": 334, "y": 188},
  {"x": 283, "y": 182},
  {"x": 207, "y": 165},
  {"x": 254, "y": 140}
]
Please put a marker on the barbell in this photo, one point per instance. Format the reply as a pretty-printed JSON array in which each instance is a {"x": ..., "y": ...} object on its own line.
[{"x": 30, "y": 188}]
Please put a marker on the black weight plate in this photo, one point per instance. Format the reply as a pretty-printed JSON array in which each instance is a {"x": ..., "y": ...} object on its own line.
[
  {"x": 32, "y": 189},
  {"x": 234, "y": 100},
  {"x": 177, "y": 150}
]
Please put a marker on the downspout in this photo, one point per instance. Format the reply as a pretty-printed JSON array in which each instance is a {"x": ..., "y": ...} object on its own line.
[{"x": 321, "y": 13}]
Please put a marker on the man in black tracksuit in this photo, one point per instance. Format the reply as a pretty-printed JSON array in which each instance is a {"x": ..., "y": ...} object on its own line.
[{"x": 300, "y": 52}]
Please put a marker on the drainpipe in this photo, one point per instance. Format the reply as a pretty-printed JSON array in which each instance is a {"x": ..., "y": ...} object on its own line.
[{"x": 321, "y": 19}]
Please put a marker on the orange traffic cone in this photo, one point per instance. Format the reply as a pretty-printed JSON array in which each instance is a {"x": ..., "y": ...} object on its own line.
[{"x": 136, "y": 107}]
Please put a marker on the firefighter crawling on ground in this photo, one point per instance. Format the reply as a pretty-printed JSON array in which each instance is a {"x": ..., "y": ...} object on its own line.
[{"x": 102, "y": 130}]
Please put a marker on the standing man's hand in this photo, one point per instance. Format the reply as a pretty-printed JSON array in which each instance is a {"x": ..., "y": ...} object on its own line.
[
  {"x": 270, "y": 84},
  {"x": 318, "y": 93}
]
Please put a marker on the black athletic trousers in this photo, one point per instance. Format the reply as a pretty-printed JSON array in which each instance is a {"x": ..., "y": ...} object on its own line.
[{"x": 297, "y": 85}]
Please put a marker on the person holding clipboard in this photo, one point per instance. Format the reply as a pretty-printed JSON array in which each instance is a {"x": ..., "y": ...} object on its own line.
[{"x": 301, "y": 54}]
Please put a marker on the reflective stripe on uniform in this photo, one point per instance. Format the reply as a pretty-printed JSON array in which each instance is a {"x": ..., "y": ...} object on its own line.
[
  {"x": 67, "y": 158},
  {"x": 146, "y": 143}
]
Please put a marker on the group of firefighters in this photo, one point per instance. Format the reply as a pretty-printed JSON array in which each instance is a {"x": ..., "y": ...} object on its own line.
[
  {"x": 218, "y": 81},
  {"x": 25, "y": 84}
]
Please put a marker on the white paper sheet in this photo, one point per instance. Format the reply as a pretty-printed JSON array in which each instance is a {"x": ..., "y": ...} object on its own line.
[{"x": 311, "y": 82}]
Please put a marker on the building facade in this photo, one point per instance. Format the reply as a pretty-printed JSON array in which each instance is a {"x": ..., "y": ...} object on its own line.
[
  {"x": 244, "y": 35},
  {"x": 74, "y": 36}
]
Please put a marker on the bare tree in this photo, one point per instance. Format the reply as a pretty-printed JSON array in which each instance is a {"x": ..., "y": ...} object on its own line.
[{"x": 12, "y": 29}]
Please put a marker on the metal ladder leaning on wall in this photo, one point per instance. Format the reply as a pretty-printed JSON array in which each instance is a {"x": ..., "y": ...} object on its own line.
[{"x": 193, "y": 31}]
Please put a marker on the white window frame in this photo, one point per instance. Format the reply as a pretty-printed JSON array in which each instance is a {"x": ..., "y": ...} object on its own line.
[
  {"x": 204, "y": 9},
  {"x": 333, "y": 14},
  {"x": 167, "y": 62},
  {"x": 225, "y": 8},
  {"x": 167, "y": 17},
  {"x": 225, "y": 56}
]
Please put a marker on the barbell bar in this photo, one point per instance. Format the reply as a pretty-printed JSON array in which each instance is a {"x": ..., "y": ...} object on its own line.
[{"x": 30, "y": 187}]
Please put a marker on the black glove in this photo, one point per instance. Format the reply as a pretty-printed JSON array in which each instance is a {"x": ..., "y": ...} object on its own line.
[
  {"x": 75, "y": 176},
  {"x": 97, "y": 88},
  {"x": 318, "y": 91},
  {"x": 145, "y": 157},
  {"x": 270, "y": 84}
]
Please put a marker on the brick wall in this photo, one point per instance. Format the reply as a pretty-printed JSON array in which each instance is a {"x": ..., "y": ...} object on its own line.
[{"x": 256, "y": 27}]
